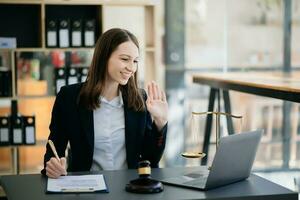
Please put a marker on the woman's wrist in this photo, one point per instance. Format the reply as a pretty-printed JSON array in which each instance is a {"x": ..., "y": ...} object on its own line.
[{"x": 160, "y": 122}]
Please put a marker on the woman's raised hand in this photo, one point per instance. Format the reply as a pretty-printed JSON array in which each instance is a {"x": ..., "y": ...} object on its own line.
[{"x": 157, "y": 105}]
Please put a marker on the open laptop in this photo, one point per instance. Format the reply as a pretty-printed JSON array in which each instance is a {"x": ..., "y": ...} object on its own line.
[{"x": 232, "y": 163}]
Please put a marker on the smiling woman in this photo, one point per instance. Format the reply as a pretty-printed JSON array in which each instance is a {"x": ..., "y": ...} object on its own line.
[{"x": 108, "y": 121}]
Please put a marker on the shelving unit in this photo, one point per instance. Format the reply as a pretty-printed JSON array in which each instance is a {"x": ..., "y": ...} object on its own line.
[{"x": 26, "y": 21}]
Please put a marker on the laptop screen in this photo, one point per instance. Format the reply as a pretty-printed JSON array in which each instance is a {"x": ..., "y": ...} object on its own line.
[{"x": 234, "y": 158}]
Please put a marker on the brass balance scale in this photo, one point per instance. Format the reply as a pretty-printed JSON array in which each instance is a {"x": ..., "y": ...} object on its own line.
[{"x": 190, "y": 154}]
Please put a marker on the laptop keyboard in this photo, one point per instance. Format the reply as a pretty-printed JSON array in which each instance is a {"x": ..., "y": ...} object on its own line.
[
  {"x": 199, "y": 182},
  {"x": 193, "y": 179},
  {"x": 195, "y": 175}
]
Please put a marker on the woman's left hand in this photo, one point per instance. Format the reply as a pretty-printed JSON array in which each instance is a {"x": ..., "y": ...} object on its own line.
[{"x": 157, "y": 105}]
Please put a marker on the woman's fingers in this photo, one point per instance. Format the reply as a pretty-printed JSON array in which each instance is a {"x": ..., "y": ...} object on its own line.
[
  {"x": 158, "y": 92},
  {"x": 150, "y": 93},
  {"x": 56, "y": 167},
  {"x": 59, "y": 166},
  {"x": 163, "y": 96},
  {"x": 51, "y": 173},
  {"x": 154, "y": 90},
  {"x": 50, "y": 164},
  {"x": 52, "y": 169}
]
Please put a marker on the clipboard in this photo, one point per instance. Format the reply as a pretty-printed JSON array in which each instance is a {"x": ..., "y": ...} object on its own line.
[{"x": 94, "y": 183}]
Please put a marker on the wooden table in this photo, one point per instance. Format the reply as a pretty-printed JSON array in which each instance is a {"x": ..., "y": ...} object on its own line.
[{"x": 268, "y": 84}]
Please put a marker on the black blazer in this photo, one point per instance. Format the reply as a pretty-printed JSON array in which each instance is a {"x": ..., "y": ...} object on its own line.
[{"x": 73, "y": 123}]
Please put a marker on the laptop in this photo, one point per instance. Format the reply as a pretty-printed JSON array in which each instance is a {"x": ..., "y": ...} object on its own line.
[{"x": 232, "y": 163}]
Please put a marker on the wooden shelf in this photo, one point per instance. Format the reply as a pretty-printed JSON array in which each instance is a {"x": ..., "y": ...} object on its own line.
[
  {"x": 51, "y": 49},
  {"x": 39, "y": 142},
  {"x": 5, "y": 98},
  {"x": 103, "y": 2},
  {"x": 21, "y": 1},
  {"x": 31, "y": 49},
  {"x": 34, "y": 97},
  {"x": 82, "y": 2},
  {"x": 28, "y": 97}
]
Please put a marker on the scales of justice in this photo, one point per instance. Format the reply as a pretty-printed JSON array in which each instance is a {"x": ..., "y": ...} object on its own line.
[
  {"x": 145, "y": 184},
  {"x": 194, "y": 154}
]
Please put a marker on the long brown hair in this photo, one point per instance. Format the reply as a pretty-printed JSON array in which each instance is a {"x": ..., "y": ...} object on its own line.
[{"x": 94, "y": 85}]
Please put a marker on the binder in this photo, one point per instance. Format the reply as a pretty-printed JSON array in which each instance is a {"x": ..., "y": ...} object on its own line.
[
  {"x": 1, "y": 83},
  {"x": 4, "y": 130},
  {"x": 29, "y": 130},
  {"x": 64, "y": 28},
  {"x": 8, "y": 83},
  {"x": 76, "y": 33},
  {"x": 51, "y": 33},
  {"x": 72, "y": 76},
  {"x": 83, "y": 74},
  {"x": 60, "y": 78},
  {"x": 17, "y": 130},
  {"x": 89, "y": 33},
  {"x": 5, "y": 82},
  {"x": 8, "y": 42}
]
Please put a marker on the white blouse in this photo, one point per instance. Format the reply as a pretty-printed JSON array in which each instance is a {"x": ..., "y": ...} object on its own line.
[{"x": 109, "y": 131}]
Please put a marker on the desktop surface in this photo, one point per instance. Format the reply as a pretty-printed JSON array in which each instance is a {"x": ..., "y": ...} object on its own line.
[{"x": 33, "y": 187}]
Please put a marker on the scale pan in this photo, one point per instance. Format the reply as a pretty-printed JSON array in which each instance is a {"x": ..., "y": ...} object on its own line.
[{"x": 193, "y": 154}]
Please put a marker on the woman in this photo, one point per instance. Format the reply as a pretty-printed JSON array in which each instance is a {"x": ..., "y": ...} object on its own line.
[{"x": 109, "y": 123}]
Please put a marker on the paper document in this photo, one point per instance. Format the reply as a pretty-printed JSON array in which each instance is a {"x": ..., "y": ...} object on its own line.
[{"x": 80, "y": 183}]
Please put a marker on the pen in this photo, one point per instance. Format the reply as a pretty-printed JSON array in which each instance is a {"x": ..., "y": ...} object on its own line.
[{"x": 53, "y": 149}]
